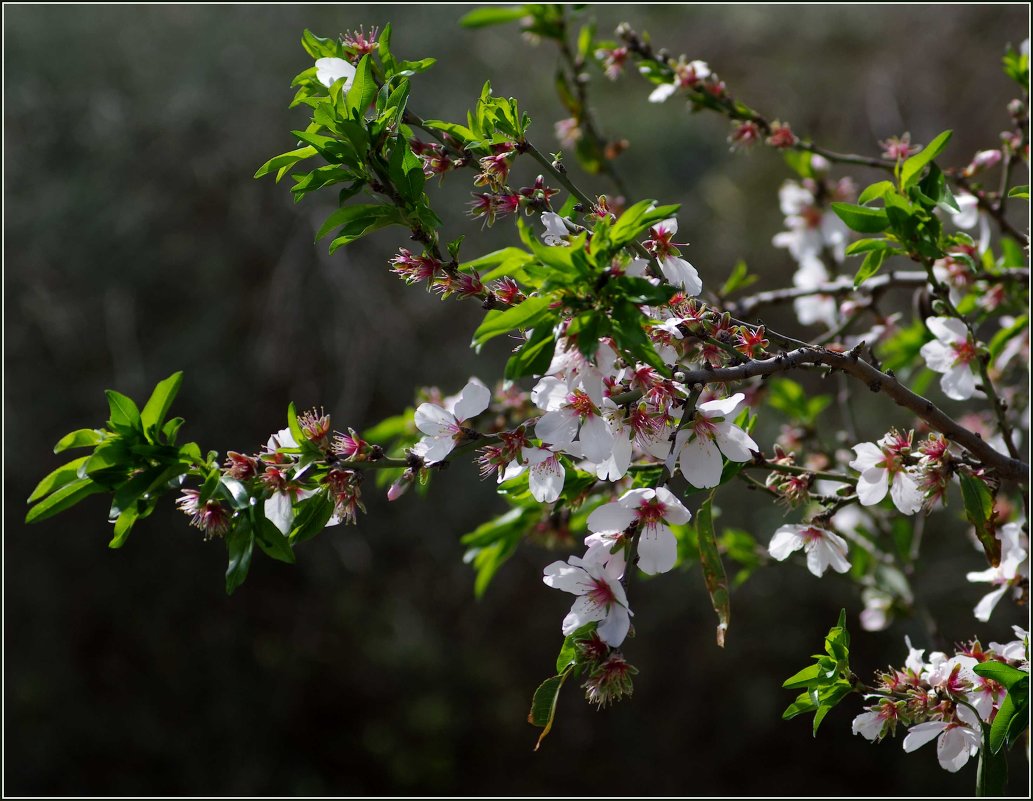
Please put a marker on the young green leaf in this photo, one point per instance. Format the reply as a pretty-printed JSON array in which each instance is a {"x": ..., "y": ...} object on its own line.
[
  {"x": 68, "y": 495},
  {"x": 240, "y": 544},
  {"x": 65, "y": 474},
  {"x": 124, "y": 413},
  {"x": 912, "y": 168},
  {"x": 528, "y": 314},
  {"x": 713, "y": 568},
  {"x": 543, "y": 705},
  {"x": 492, "y": 15},
  {"x": 157, "y": 406},
  {"x": 862, "y": 218}
]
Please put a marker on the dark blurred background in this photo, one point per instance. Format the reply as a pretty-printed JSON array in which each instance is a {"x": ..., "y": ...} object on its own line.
[{"x": 137, "y": 244}]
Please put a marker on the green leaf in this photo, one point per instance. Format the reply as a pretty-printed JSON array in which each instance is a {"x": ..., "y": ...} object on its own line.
[
  {"x": 240, "y": 543},
  {"x": 65, "y": 474},
  {"x": 1012, "y": 716},
  {"x": 861, "y": 218},
  {"x": 312, "y": 516},
  {"x": 357, "y": 221},
  {"x": 68, "y": 495},
  {"x": 543, "y": 705},
  {"x": 123, "y": 526},
  {"x": 157, "y": 406},
  {"x": 636, "y": 220},
  {"x": 991, "y": 773},
  {"x": 318, "y": 47},
  {"x": 1000, "y": 339},
  {"x": 713, "y": 569},
  {"x": 809, "y": 677},
  {"x": 1019, "y": 192},
  {"x": 640, "y": 290},
  {"x": 528, "y": 314},
  {"x": 875, "y": 191},
  {"x": 1001, "y": 673},
  {"x": 83, "y": 438},
  {"x": 279, "y": 164},
  {"x": 534, "y": 356},
  {"x": 364, "y": 88},
  {"x": 872, "y": 263},
  {"x": 124, "y": 413},
  {"x": 806, "y": 701},
  {"x": 568, "y": 652},
  {"x": 272, "y": 541},
  {"x": 865, "y": 245},
  {"x": 912, "y": 168},
  {"x": 979, "y": 509},
  {"x": 738, "y": 279},
  {"x": 294, "y": 426},
  {"x": 492, "y": 15}
]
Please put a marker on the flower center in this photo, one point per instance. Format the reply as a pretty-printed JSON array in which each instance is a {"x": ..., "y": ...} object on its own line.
[
  {"x": 964, "y": 352},
  {"x": 601, "y": 594},
  {"x": 650, "y": 512},
  {"x": 581, "y": 404}
]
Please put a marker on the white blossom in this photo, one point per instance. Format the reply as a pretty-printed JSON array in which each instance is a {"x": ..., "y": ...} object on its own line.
[
  {"x": 600, "y": 597},
  {"x": 443, "y": 425},
  {"x": 954, "y": 354},
  {"x": 823, "y": 548}
]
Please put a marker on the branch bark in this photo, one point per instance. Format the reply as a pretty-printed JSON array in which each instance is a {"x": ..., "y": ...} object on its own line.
[{"x": 877, "y": 381}]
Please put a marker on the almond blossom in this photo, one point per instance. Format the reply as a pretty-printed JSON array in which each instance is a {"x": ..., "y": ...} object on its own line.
[
  {"x": 331, "y": 70},
  {"x": 651, "y": 510},
  {"x": 571, "y": 415},
  {"x": 675, "y": 269},
  {"x": 545, "y": 473},
  {"x": 686, "y": 75},
  {"x": 883, "y": 469},
  {"x": 957, "y": 740},
  {"x": 443, "y": 425},
  {"x": 954, "y": 354},
  {"x": 1012, "y": 570},
  {"x": 600, "y": 597},
  {"x": 823, "y": 548},
  {"x": 710, "y": 433}
]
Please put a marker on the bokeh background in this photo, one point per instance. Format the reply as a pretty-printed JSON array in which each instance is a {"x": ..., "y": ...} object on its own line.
[{"x": 136, "y": 244}]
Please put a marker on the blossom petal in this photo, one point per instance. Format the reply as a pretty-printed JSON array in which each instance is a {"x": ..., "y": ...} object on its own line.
[
  {"x": 674, "y": 510},
  {"x": 938, "y": 356},
  {"x": 473, "y": 399},
  {"x": 436, "y": 449},
  {"x": 657, "y": 549},
  {"x": 549, "y": 394},
  {"x": 954, "y": 748},
  {"x": 614, "y": 628},
  {"x": 557, "y": 428},
  {"x": 787, "y": 539},
  {"x": 906, "y": 494},
  {"x": 986, "y": 605},
  {"x": 701, "y": 462},
  {"x": 722, "y": 407},
  {"x": 330, "y": 70},
  {"x": 596, "y": 439},
  {"x": 922, "y": 733},
  {"x": 947, "y": 329},
  {"x": 680, "y": 273},
  {"x": 434, "y": 420},
  {"x": 662, "y": 92},
  {"x": 279, "y": 511},
  {"x": 868, "y": 455},
  {"x": 734, "y": 443},
  {"x": 872, "y": 486},
  {"x": 959, "y": 382},
  {"x": 584, "y": 610},
  {"x": 610, "y": 518},
  {"x": 546, "y": 480},
  {"x": 564, "y": 576}
]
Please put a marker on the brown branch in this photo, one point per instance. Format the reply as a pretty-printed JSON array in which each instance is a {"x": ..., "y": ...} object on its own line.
[{"x": 877, "y": 381}]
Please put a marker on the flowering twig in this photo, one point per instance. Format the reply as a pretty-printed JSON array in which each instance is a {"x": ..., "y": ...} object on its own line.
[{"x": 877, "y": 381}]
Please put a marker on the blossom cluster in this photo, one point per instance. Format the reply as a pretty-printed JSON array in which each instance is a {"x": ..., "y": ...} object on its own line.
[{"x": 941, "y": 698}]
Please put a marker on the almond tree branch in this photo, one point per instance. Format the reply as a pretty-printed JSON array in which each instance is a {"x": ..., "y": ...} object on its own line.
[{"x": 876, "y": 381}]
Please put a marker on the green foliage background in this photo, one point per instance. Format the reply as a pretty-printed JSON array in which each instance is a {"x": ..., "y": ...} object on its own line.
[{"x": 138, "y": 244}]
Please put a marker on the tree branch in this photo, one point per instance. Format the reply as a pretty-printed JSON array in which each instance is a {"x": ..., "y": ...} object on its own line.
[{"x": 877, "y": 381}]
